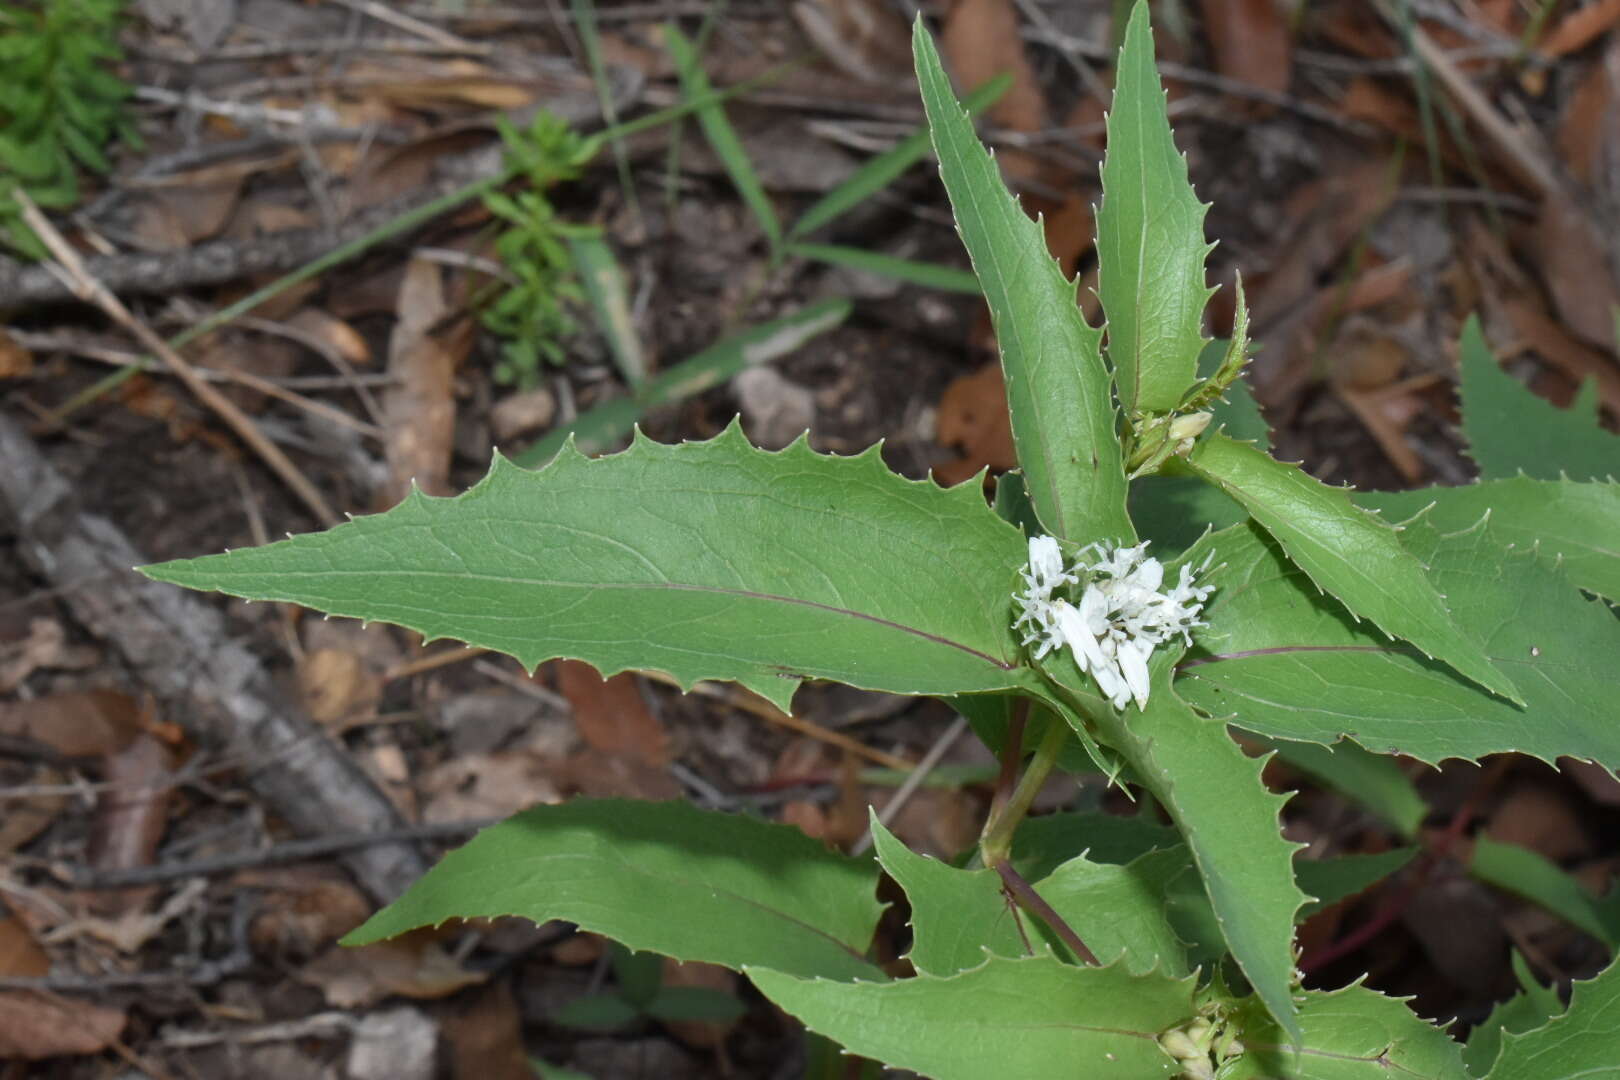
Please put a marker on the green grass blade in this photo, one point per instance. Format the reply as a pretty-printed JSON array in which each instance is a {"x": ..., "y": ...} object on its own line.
[
  {"x": 723, "y": 137},
  {"x": 888, "y": 166},
  {"x": 928, "y": 275},
  {"x": 610, "y": 303},
  {"x": 1531, "y": 875},
  {"x": 601, "y": 427}
]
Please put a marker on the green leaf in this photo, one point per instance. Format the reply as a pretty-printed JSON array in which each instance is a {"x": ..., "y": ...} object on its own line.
[
  {"x": 1509, "y": 429},
  {"x": 958, "y": 917},
  {"x": 596, "y": 1012},
  {"x": 639, "y": 974},
  {"x": 1352, "y": 1034},
  {"x": 601, "y": 427},
  {"x": 548, "y": 1071},
  {"x": 1520, "y": 1013},
  {"x": 1120, "y": 911},
  {"x": 1287, "y": 662},
  {"x": 1150, "y": 239},
  {"x": 708, "y": 560},
  {"x": 928, "y": 275},
  {"x": 726, "y": 889},
  {"x": 610, "y": 303},
  {"x": 1174, "y": 511},
  {"x": 1531, "y": 875},
  {"x": 1034, "y": 1019},
  {"x": 885, "y": 168},
  {"x": 1229, "y": 821},
  {"x": 1058, "y": 389},
  {"x": 1349, "y": 553},
  {"x": 1343, "y": 876},
  {"x": 1577, "y": 524},
  {"x": 1372, "y": 780},
  {"x": 678, "y": 1003},
  {"x": 722, "y": 137},
  {"x": 1043, "y": 843},
  {"x": 1579, "y": 1043}
]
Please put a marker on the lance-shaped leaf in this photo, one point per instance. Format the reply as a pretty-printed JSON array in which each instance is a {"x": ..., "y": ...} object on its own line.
[
  {"x": 1576, "y": 524},
  {"x": 1286, "y": 661},
  {"x": 666, "y": 877},
  {"x": 1511, "y": 430},
  {"x": 960, "y": 916},
  {"x": 1525, "y": 1011},
  {"x": 1035, "y": 1019},
  {"x": 1150, "y": 239},
  {"x": 1579, "y": 1043},
  {"x": 1058, "y": 390},
  {"x": 1349, "y": 553},
  {"x": 1351, "y": 1034},
  {"x": 1227, "y": 818},
  {"x": 708, "y": 560}
]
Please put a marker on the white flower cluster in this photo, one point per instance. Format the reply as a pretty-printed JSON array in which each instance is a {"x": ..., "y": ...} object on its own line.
[{"x": 1121, "y": 617}]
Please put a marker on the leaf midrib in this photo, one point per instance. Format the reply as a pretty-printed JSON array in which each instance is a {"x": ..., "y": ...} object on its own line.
[{"x": 746, "y": 594}]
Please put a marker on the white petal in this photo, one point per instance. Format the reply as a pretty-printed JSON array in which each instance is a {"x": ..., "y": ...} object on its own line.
[
  {"x": 1079, "y": 635},
  {"x": 1133, "y": 665}
]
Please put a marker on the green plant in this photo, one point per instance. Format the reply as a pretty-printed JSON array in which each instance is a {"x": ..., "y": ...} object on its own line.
[
  {"x": 531, "y": 314},
  {"x": 60, "y": 103},
  {"x": 641, "y": 994},
  {"x": 1080, "y": 944}
]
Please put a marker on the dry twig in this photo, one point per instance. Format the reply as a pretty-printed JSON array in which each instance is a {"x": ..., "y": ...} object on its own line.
[{"x": 88, "y": 289}]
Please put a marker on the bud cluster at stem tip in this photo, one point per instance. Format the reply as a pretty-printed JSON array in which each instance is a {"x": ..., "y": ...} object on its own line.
[{"x": 1121, "y": 616}]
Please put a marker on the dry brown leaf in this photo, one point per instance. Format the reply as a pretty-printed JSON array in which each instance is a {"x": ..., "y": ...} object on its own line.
[
  {"x": 132, "y": 812},
  {"x": 1598, "y": 781},
  {"x": 16, "y": 362},
  {"x": 1070, "y": 229},
  {"x": 1587, "y": 123},
  {"x": 484, "y": 1031},
  {"x": 336, "y": 335},
  {"x": 973, "y": 416},
  {"x": 38, "y": 1025},
  {"x": 421, "y": 412},
  {"x": 1577, "y": 270},
  {"x": 702, "y": 1034},
  {"x": 487, "y": 785},
  {"x": 339, "y": 688},
  {"x": 1559, "y": 348},
  {"x": 416, "y": 81},
  {"x": 611, "y": 715},
  {"x": 1579, "y": 28},
  {"x": 522, "y": 412},
  {"x": 1252, "y": 44},
  {"x": 980, "y": 40},
  {"x": 599, "y": 775},
  {"x": 304, "y": 909},
  {"x": 20, "y": 954},
  {"x": 1386, "y": 412},
  {"x": 171, "y": 219},
  {"x": 1542, "y": 819},
  {"x": 83, "y": 723},
  {"x": 413, "y": 965},
  {"x": 25, "y": 819},
  {"x": 45, "y": 646},
  {"x": 866, "y": 39}
]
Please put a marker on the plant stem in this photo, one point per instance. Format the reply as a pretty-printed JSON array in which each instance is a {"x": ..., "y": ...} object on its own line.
[
  {"x": 995, "y": 844},
  {"x": 1030, "y": 900},
  {"x": 1007, "y": 810}
]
